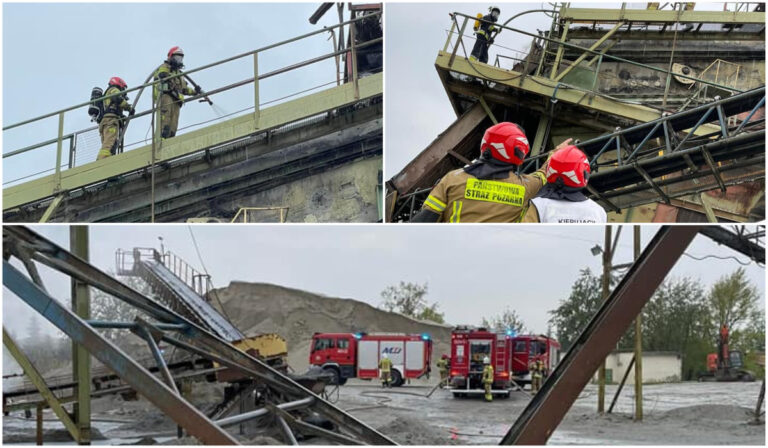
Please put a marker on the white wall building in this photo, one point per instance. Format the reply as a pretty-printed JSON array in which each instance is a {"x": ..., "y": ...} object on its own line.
[{"x": 658, "y": 367}]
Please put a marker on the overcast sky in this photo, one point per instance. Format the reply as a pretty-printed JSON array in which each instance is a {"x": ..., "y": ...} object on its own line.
[
  {"x": 54, "y": 54},
  {"x": 417, "y": 106},
  {"x": 472, "y": 271}
]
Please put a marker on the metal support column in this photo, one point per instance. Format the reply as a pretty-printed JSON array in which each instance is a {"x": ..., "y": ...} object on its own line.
[
  {"x": 638, "y": 344},
  {"x": 606, "y": 291},
  {"x": 81, "y": 359}
]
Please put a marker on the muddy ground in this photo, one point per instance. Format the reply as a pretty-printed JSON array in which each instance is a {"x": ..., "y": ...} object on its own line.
[{"x": 675, "y": 414}]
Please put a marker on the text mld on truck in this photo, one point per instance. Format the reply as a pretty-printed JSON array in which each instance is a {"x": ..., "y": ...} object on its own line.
[
  {"x": 510, "y": 356},
  {"x": 357, "y": 355}
]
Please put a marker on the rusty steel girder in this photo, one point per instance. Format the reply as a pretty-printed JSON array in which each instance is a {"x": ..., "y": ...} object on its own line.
[{"x": 547, "y": 409}]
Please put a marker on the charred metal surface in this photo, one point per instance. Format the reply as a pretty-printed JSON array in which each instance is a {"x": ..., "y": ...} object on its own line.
[
  {"x": 548, "y": 407},
  {"x": 749, "y": 244}
]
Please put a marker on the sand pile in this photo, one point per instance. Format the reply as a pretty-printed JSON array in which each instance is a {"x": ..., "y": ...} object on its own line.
[
  {"x": 410, "y": 431},
  {"x": 296, "y": 315},
  {"x": 711, "y": 412}
]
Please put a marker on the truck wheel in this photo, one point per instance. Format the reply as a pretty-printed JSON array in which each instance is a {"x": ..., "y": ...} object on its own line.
[
  {"x": 397, "y": 378},
  {"x": 336, "y": 380}
]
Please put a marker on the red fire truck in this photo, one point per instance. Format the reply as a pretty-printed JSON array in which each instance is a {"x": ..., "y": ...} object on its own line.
[
  {"x": 527, "y": 349},
  {"x": 509, "y": 354},
  {"x": 357, "y": 355}
]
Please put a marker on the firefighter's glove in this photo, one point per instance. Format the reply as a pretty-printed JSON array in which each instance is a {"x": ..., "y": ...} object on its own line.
[
  {"x": 490, "y": 41},
  {"x": 132, "y": 112},
  {"x": 198, "y": 90}
]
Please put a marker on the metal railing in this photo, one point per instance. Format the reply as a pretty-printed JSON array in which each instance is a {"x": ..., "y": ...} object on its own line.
[
  {"x": 244, "y": 214},
  {"x": 61, "y": 138},
  {"x": 455, "y": 40},
  {"x": 126, "y": 262}
]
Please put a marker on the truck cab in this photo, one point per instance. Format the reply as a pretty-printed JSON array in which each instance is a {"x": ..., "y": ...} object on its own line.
[
  {"x": 335, "y": 353},
  {"x": 527, "y": 349}
]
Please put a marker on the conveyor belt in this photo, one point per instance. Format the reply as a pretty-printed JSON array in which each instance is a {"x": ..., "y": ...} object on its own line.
[{"x": 203, "y": 312}]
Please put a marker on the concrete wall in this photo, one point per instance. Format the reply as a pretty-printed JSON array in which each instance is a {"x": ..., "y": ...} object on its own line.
[
  {"x": 657, "y": 367},
  {"x": 343, "y": 194}
]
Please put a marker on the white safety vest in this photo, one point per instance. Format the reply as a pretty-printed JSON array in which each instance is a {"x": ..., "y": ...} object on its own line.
[{"x": 561, "y": 211}]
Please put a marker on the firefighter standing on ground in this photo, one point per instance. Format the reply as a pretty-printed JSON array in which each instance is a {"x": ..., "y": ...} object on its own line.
[
  {"x": 112, "y": 119},
  {"x": 385, "y": 367},
  {"x": 537, "y": 375},
  {"x": 487, "y": 378},
  {"x": 562, "y": 199},
  {"x": 169, "y": 94},
  {"x": 488, "y": 189},
  {"x": 442, "y": 365},
  {"x": 485, "y": 33}
]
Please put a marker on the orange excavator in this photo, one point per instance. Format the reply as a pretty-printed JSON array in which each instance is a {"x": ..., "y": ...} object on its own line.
[{"x": 726, "y": 365}]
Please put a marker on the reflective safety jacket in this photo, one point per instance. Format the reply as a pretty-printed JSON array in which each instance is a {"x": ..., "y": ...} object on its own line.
[
  {"x": 442, "y": 364},
  {"x": 487, "y": 374},
  {"x": 385, "y": 364},
  {"x": 176, "y": 87},
  {"x": 461, "y": 197},
  {"x": 115, "y": 105},
  {"x": 562, "y": 211}
]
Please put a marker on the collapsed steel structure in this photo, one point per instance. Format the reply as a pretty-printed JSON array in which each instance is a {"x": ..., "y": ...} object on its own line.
[
  {"x": 291, "y": 406},
  {"x": 287, "y": 402}
]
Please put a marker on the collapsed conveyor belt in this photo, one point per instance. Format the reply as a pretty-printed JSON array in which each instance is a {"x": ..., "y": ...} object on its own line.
[
  {"x": 287, "y": 401},
  {"x": 155, "y": 273}
]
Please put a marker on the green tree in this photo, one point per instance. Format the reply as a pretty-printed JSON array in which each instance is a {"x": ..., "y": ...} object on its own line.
[
  {"x": 410, "y": 299},
  {"x": 733, "y": 299},
  {"x": 507, "y": 320},
  {"x": 574, "y": 312}
]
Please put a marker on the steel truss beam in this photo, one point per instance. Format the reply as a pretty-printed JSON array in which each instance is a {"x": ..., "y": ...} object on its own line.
[
  {"x": 638, "y": 167},
  {"x": 195, "y": 339},
  {"x": 749, "y": 245},
  {"x": 548, "y": 407}
]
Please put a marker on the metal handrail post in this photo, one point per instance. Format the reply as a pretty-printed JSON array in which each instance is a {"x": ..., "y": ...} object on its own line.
[
  {"x": 353, "y": 49},
  {"x": 57, "y": 175},
  {"x": 256, "y": 108}
]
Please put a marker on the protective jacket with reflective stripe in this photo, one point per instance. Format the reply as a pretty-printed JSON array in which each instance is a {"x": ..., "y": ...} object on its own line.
[{"x": 461, "y": 197}]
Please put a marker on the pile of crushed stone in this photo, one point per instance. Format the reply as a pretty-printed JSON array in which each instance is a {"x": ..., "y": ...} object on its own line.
[
  {"x": 296, "y": 315},
  {"x": 410, "y": 431},
  {"x": 710, "y": 412}
]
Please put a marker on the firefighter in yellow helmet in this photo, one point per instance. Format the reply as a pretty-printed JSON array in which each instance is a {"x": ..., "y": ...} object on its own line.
[
  {"x": 487, "y": 378},
  {"x": 169, "y": 94},
  {"x": 442, "y": 366},
  {"x": 385, "y": 369},
  {"x": 537, "y": 375},
  {"x": 111, "y": 121}
]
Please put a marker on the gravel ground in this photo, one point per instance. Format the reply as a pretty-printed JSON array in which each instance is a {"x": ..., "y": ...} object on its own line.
[{"x": 675, "y": 414}]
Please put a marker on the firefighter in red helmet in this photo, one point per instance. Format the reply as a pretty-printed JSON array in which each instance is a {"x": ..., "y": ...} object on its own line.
[
  {"x": 489, "y": 189},
  {"x": 562, "y": 200},
  {"x": 112, "y": 118},
  {"x": 169, "y": 94}
]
